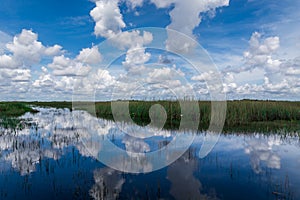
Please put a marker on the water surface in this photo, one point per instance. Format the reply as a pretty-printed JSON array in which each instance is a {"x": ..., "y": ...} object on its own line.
[{"x": 54, "y": 157}]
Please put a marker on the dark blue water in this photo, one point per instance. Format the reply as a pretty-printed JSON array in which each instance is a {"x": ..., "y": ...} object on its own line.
[{"x": 52, "y": 158}]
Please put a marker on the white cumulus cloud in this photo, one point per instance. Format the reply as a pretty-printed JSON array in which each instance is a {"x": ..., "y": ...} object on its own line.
[
  {"x": 89, "y": 55},
  {"x": 63, "y": 66},
  {"x": 185, "y": 17},
  {"x": 25, "y": 49},
  {"x": 108, "y": 18}
]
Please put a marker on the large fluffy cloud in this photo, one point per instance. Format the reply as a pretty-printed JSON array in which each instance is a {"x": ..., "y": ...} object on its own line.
[
  {"x": 109, "y": 24},
  {"x": 25, "y": 49},
  {"x": 185, "y": 17},
  {"x": 108, "y": 18},
  {"x": 260, "y": 52},
  {"x": 136, "y": 55},
  {"x": 63, "y": 66},
  {"x": 16, "y": 75},
  {"x": 89, "y": 55},
  {"x": 7, "y": 61},
  {"x": 132, "y": 39},
  {"x": 80, "y": 66},
  {"x": 135, "y": 59}
]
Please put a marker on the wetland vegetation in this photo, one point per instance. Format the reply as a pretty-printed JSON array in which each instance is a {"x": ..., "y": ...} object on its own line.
[{"x": 241, "y": 115}]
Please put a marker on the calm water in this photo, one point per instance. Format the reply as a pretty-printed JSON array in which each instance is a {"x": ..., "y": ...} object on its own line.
[{"x": 54, "y": 158}]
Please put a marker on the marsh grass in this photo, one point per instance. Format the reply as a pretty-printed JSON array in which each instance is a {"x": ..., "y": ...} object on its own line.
[
  {"x": 9, "y": 113},
  {"x": 14, "y": 109},
  {"x": 242, "y": 115},
  {"x": 53, "y": 104}
]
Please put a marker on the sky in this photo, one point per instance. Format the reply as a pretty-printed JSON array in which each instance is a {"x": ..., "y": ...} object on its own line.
[{"x": 104, "y": 50}]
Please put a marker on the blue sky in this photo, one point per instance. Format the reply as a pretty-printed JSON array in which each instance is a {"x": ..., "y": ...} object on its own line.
[
  {"x": 255, "y": 44},
  {"x": 65, "y": 21}
]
